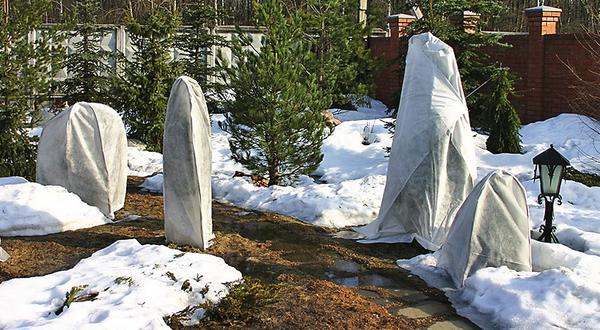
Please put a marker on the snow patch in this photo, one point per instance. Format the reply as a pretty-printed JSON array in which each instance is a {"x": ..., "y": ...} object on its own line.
[
  {"x": 136, "y": 285},
  {"x": 28, "y": 209}
]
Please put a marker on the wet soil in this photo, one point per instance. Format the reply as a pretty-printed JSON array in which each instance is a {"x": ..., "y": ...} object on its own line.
[{"x": 324, "y": 282}]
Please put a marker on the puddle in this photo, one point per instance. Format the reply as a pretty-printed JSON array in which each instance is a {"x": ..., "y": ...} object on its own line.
[
  {"x": 131, "y": 217},
  {"x": 378, "y": 280},
  {"x": 365, "y": 280},
  {"x": 352, "y": 282},
  {"x": 346, "y": 266},
  {"x": 347, "y": 234}
]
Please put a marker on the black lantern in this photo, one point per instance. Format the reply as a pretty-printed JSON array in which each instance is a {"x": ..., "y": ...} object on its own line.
[{"x": 550, "y": 168}]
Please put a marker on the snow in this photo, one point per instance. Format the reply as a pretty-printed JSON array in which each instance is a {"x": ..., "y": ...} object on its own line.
[
  {"x": 143, "y": 163},
  {"x": 12, "y": 180},
  {"x": 354, "y": 175},
  {"x": 136, "y": 285},
  {"x": 28, "y": 208},
  {"x": 563, "y": 291},
  {"x": 351, "y": 177}
]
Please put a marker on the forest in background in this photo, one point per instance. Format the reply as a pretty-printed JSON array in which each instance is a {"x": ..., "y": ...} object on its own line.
[{"x": 577, "y": 16}]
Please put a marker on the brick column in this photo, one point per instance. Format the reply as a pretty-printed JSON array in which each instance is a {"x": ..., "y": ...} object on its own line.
[
  {"x": 398, "y": 24},
  {"x": 542, "y": 20},
  {"x": 467, "y": 20}
]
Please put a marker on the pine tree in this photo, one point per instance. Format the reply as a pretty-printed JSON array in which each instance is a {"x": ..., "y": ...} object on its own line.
[
  {"x": 143, "y": 91},
  {"x": 196, "y": 43},
  {"x": 87, "y": 64},
  {"x": 502, "y": 117},
  {"x": 276, "y": 124},
  {"x": 343, "y": 63},
  {"x": 26, "y": 69}
]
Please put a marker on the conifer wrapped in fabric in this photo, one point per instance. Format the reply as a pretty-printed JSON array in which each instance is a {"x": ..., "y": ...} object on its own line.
[
  {"x": 187, "y": 166},
  {"x": 491, "y": 229},
  {"x": 432, "y": 164},
  {"x": 3, "y": 255},
  {"x": 84, "y": 150}
]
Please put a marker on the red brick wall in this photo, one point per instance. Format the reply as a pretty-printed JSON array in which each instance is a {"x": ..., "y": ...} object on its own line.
[
  {"x": 388, "y": 80},
  {"x": 545, "y": 85},
  {"x": 515, "y": 58},
  {"x": 562, "y": 52}
]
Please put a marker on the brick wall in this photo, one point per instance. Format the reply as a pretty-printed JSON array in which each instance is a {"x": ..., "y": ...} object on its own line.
[
  {"x": 541, "y": 59},
  {"x": 388, "y": 81},
  {"x": 561, "y": 53}
]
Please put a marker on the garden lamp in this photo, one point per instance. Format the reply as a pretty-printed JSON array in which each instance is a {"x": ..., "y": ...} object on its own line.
[{"x": 550, "y": 168}]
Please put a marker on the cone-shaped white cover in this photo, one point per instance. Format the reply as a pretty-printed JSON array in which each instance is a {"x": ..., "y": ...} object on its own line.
[
  {"x": 187, "y": 166},
  {"x": 84, "y": 150},
  {"x": 432, "y": 164},
  {"x": 3, "y": 255},
  {"x": 491, "y": 229}
]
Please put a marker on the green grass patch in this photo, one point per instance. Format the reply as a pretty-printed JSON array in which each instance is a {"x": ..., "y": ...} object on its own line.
[{"x": 243, "y": 302}]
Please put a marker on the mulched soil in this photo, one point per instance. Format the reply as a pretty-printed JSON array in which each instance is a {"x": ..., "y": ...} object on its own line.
[{"x": 276, "y": 249}]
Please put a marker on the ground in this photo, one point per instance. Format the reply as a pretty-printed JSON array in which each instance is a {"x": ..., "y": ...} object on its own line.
[{"x": 322, "y": 282}]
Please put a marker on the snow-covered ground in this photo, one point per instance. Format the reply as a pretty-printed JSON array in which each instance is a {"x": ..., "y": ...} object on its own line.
[
  {"x": 133, "y": 286},
  {"x": 28, "y": 208},
  {"x": 564, "y": 289},
  {"x": 143, "y": 163},
  {"x": 562, "y": 292},
  {"x": 354, "y": 175}
]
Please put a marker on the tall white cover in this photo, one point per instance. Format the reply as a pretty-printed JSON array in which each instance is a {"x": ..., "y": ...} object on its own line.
[
  {"x": 3, "y": 255},
  {"x": 432, "y": 164},
  {"x": 491, "y": 229},
  {"x": 187, "y": 166},
  {"x": 84, "y": 149}
]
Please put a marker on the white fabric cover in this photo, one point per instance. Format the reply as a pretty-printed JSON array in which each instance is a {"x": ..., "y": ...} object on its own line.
[
  {"x": 3, "y": 255},
  {"x": 187, "y": 166},
  {"x": 84, "y": 150},
  {"x": 432, "y": 164},
  {"x": 491, "y": 229}
]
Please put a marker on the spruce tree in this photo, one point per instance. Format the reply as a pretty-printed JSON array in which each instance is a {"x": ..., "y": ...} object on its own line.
[
  {"x": 503, "y": 119},
  {"x": 146, "y": 79},
  {"x": 196, "y": 42},
  {"x": 276, "y": 124},
  {"x": 87, "y": 65},
  {"x": 343, "y": 63},
  {"x": 26, "y": 70}
]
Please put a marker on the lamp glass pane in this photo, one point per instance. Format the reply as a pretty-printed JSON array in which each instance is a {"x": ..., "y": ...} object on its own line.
[{"x": 550, "y": 180}]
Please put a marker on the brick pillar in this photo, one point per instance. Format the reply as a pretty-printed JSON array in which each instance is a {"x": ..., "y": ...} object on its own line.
[
  {"x": 542, "y": 20},
  {"x": 468, "y": 20},
  {"x": 398, "y": 24}
]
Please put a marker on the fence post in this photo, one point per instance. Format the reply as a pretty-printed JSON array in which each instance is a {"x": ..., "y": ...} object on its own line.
[
  {"x": 541, "y": 20},
  {"x": 398, "y": 24}
]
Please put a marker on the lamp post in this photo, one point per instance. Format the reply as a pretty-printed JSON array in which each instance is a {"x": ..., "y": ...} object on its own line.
[{"x": 550, "y": 168}]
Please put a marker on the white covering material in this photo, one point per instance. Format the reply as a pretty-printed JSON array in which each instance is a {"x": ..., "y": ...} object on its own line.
[
  {"x": 491, "y": 229},
  {"x": 84, "y": 149},
  {"x": 3, "y": 255},
  {"x": 187, "y": 166},
  {"x": 432, "y": 165}
]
